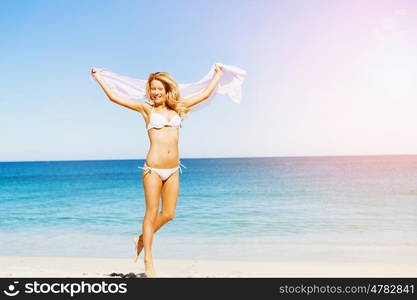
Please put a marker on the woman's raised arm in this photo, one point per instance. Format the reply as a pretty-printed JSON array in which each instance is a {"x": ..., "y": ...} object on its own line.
[
  {"x": 208, "y": 90},
  {"x": 126, "y": 102}
]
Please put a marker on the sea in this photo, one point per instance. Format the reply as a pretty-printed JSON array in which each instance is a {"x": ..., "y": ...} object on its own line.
[{"x": 323, "y": 208}]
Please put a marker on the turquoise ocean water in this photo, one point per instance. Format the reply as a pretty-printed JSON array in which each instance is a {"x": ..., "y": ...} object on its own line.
[{"x": 349, "y": 208}]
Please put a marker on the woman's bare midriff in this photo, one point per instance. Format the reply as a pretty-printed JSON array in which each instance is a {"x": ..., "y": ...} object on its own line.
[{"x": 163, "y": 152}]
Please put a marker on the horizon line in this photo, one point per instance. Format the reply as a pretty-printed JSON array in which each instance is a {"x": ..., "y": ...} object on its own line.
[{"x": 215, "y": 157}]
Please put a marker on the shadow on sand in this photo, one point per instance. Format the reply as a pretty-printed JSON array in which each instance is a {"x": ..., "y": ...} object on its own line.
[{"x": 127, "y": 275}]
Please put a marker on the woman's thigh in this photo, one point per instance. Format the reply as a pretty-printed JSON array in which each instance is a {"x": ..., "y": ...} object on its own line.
[
  {"x": 152, "y": 185},
  {"x": 170, "y": 190}
]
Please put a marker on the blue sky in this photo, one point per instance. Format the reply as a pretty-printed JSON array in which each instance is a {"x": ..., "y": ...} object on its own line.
[{"x": 303, "y": 94}]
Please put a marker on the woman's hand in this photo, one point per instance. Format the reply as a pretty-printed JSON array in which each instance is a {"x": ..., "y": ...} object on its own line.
[
  {"x": 94, "y": 72},
  {"x": 218, "y": 69}
]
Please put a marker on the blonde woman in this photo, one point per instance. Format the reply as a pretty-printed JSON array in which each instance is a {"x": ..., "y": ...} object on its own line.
[{"x": 160, "y": 175}]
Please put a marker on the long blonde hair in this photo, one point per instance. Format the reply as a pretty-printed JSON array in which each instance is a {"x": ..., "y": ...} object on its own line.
[{"x": 173, "y": 98}]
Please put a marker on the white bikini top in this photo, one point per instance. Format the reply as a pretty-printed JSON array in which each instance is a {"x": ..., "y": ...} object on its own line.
[{"x": 158, "y": 121}]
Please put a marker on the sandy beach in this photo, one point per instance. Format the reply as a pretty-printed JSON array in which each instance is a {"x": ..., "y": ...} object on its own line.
[{"x": 72, "y": 267}]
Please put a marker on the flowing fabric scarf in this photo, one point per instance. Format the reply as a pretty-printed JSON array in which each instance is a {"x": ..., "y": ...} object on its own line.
[{"x": 230, "y": 84}]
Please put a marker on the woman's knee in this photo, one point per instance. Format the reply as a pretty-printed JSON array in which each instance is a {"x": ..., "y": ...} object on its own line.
[
  {"x": 168, "y": 216},
  {"x": 150, "y": 216}
]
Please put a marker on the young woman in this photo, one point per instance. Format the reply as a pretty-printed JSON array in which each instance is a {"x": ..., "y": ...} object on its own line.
[{"x": 160, "y": 174}]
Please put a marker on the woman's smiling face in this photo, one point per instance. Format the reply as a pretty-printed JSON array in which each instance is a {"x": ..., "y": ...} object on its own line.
[{"x": 157, "y": 92}]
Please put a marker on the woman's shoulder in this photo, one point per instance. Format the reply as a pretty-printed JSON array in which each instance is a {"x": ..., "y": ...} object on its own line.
[
  {"x": 148, "y": 106},
  {"x": 146, "y": 109}
]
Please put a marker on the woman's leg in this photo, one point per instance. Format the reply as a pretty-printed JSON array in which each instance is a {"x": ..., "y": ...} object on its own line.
[
  {"x": 152, "y": 184},
  {"x": 170, "y": 190}
]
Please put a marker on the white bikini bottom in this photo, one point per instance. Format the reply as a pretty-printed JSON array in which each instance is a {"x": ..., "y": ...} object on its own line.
[{"x": 163, "y": 173}]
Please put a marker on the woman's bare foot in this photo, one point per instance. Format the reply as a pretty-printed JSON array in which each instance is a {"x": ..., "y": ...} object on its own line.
[
  {"x": 149, "y": 270},
  {"x": 139, "y": 246}
]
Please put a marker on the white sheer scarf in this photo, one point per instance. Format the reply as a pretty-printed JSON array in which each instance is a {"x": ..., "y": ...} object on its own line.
[{"x": 230, "y": 84}]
